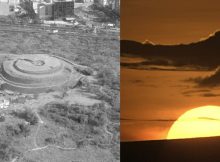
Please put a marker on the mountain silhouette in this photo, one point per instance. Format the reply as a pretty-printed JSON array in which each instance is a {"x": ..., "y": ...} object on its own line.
[
  {"x": 205, "y": 53},
  {"x": 179, "y": 150}
]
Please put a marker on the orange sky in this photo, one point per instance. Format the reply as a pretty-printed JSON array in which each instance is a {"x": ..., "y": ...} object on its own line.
[
  {"x": 152, "y": 100},
  {"x": 169, "y": 21}
]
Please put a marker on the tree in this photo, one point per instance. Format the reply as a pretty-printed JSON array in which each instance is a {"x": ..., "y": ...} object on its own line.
[
  {"x": 27, "y": 115},
  {"x": 26, "y": 11}
]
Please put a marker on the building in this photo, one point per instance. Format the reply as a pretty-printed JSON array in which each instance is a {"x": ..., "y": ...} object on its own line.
[
  {"x": 79, "y": 1},
  {"x": 45, "y": 11},
  {"x": 36, "y": 3},
  {"x": 101, "y": 2},
  {"x": 116, "y": 6},
  {"x": 54, "y": 9},
  {"x": 88, "y": 1},
  {"x": 62, "y": 9},
  {"x": 4, "y": 9},
  {"x": 7, "y": 7},
  {"x": 82, "y": 3},
  {"x": 113, "y": 4}
]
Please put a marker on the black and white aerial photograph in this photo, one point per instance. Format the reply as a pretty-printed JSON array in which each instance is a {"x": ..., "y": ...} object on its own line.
[{"x": 59, "y": 81}]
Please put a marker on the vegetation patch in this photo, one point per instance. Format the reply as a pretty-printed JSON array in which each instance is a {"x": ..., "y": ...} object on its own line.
[
  {"x": 88, "y": 122},
  {"x": 27, "y": 114},
  {"x": 7, "y": 151},
  {"x": 69, "y": 115}
]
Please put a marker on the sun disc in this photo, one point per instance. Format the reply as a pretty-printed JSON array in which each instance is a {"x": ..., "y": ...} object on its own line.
[{"x": 198, "y": 122}]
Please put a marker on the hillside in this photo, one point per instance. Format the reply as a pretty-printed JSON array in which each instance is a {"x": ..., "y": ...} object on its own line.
[
  {"x": 203, "y": 53},
  {"x": 34, "y": 127}
]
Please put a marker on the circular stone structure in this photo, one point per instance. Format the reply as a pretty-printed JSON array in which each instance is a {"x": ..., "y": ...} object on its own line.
[{"x": 34, "y": 73}]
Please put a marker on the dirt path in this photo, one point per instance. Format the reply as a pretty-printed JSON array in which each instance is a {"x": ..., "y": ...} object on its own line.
[
  {"x": 41, "y": 123},
  {"x": 37, "y": 147}
]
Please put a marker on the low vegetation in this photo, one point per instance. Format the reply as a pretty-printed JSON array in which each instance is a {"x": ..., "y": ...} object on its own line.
[
  {"x": 109, "y": 15},
  {"x": 69, "y": 115},
  {"x": 85, "y": 120},
  {"x": 108, "y": 77},
  {"x": 7, "y": 151},
  {"x": 9, "y": 140},
  {"x": 18, "y": 130},
  {"x": 27, "y": 114}
]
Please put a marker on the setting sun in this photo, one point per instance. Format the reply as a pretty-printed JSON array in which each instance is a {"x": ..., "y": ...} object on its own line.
[{"x": 199, "y": 122}]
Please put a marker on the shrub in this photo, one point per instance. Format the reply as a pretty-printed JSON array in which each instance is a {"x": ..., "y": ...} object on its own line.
[
  {"x": 108, "y": 77},
  {"x": 7, "y": 151},
  {"x": 81, "y": 143},
  {"x": 97, "y": 119},
  {"x": 17, "y": 130},
  {"x": 116, "y": 151},
  {"x": 2, "y": 118},
  {"x": 81, "y": 119},
  {"x": 49, "y": 140},
  {"x": 27, "y": 115},
  {"x": 96, "y": 130}
]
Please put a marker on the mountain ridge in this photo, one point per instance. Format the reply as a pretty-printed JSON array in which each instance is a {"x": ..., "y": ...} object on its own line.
[{"x": 204, "y": 53}]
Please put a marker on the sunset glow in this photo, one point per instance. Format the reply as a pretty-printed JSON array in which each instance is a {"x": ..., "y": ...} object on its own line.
[{"x": 199, "y": 122}]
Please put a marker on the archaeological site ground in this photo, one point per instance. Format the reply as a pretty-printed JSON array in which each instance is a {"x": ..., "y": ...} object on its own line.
[{"x": 59, "y": 96}]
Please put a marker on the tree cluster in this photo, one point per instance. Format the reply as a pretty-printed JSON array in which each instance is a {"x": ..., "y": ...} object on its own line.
[{"x": 27, "y": 114}]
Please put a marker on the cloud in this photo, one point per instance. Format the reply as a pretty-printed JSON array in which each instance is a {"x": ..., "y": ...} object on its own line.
[
  {"x": 203, "y": 55},
  {"x": 139, "y": 82},
  {"x": 210, "y": 95},
  {"x": 148, "y": 120},
  {"x": 209, "y": 81},
  {"x": 196, "y": 92},
  {"x": 138, "y": 65}
]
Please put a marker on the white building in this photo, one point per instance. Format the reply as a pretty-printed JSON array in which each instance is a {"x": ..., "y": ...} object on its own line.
[
  {"x": 38, "y": 3},
  {"x": 83, "y": 1},
  {"x": 101, "y": 2},
  {"x": 7, "y": 7}
]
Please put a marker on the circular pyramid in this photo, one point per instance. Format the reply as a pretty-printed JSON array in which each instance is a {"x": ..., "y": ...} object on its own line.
[{"x": 37, "y": 73}]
